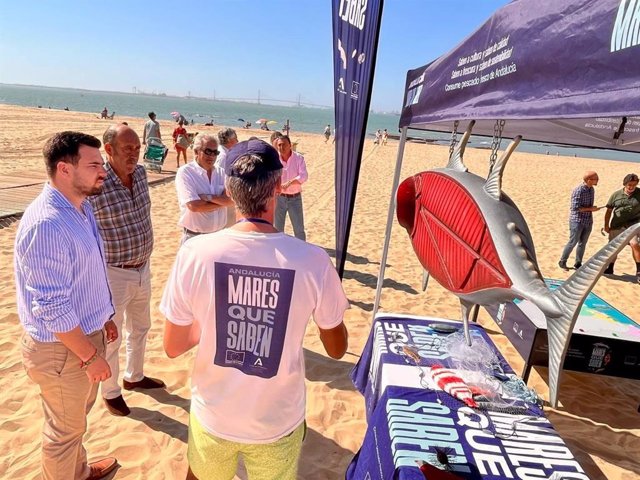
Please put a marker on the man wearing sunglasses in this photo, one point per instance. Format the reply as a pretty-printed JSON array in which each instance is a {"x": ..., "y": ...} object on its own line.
[{"x": 200, "y": 187}]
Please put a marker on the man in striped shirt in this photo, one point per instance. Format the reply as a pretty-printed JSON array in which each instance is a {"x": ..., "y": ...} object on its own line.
[
  {"x": 580, "y": 219},
  {"x": 64, "y": 303},
  {"x": 123, "y": 213}
]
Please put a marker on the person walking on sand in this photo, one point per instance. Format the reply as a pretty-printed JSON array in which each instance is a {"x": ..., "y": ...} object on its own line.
[
  {"x": 180, "y": 142},
  {"x": 151, "y": 129},
  {"x": 294, "y": 174},
  {"x": 385, "y": 136},
  {"x": 244, "y": 297},
  {"x": 123, "y": 213},
  {"x": 64, "y": 303},
  {"x": 580, "y": 219},
  {"x": 200, "y": 187},
  {"x": 327, "y": 133},
  {"x": 623, "y": 210}
]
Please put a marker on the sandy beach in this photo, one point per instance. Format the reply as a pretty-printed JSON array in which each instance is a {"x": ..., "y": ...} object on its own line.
[{"x": 597, "y": 416}]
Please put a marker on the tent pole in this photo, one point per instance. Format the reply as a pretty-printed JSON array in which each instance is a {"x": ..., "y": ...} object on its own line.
[{"x": 392, "y": 208}]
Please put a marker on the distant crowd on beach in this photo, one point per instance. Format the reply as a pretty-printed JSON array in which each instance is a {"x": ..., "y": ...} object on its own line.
[{"x": 83, "y": 280}]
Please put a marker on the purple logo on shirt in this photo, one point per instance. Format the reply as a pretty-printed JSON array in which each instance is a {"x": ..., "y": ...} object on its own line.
[{"x": 252, "y": 312}]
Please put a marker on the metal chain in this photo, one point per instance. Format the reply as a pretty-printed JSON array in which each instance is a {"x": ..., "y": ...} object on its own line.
[
  {"x": 495, "y": 143},
  {"x": 454, "y": 136}
]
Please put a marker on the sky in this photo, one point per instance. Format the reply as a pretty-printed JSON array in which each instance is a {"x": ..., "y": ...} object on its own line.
[{"x": 228, "y": 48}]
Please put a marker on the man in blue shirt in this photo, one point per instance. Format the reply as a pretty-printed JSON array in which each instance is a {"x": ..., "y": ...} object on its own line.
[
  {"x": 580, "y": 219},
  {"x": 64, "y": 303}
]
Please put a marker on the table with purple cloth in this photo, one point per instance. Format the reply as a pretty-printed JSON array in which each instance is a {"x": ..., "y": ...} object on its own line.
[{"x": 409, "y": 423}]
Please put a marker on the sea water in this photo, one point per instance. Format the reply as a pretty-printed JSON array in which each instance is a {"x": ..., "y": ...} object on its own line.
[{"x": 303, "y": 119}]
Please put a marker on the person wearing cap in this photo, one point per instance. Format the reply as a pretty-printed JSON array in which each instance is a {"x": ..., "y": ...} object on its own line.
[
  {"x": 200, "y": 188},
  {"x": 294, "y": 174},
  {"x": 151, "y": 129},
  {"x": 123, "y": 214},
  {"x": 244, "y": 296},
  {"x": 623, "y": 211},
  {"x": 580, "y": 219}
]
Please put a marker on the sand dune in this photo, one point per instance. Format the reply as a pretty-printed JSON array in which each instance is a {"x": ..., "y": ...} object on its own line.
[{"x": 598, "y": 416}]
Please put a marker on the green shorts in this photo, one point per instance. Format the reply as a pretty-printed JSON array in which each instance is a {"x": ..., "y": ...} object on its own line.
[{"x": 213, "y": 458}]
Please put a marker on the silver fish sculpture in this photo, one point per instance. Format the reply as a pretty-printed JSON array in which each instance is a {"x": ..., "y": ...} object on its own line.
[{"x": 474, "y": 240}]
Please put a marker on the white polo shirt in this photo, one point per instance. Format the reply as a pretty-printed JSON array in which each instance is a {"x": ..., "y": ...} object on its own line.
[{"x": 191, "y": 182}]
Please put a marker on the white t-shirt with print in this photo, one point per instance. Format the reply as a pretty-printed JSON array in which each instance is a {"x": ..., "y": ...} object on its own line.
[
  {"x": 192, "y": 181},
  {"x": 253, "y": 295}
]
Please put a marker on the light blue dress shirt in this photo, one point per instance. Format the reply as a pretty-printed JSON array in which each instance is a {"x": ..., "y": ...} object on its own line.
[{"x": 61, "y": 278}]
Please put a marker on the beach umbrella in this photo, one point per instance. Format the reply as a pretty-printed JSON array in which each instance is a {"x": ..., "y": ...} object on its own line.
[
  {"x": 271, "y": 122},
  {"x": 262, "y": 120},
  {"x": 241, "y": 120}
]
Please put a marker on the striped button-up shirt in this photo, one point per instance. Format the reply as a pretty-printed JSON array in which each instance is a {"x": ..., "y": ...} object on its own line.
[
  {"x": 582, "y": 196},
  {"x": 61, "y": 278},
  {"x": 124, "y": 218}
]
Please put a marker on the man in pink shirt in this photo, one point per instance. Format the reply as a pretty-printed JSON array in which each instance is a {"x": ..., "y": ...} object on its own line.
[{"x": 294, "y": 174}]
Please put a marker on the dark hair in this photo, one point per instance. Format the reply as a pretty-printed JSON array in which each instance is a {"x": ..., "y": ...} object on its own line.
[
  {"x": 63, "y": 147},
  {"x": 151, "y": 115},
  {"x": 285, "y": 137},
  {"x": 632, "y": 177}
]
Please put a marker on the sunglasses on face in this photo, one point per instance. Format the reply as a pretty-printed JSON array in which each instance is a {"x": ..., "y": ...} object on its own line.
[{"x": 208, "y": 151}]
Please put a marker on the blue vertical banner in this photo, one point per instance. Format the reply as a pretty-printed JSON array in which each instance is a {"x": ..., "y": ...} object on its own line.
[{"x": 356, "y": 28}]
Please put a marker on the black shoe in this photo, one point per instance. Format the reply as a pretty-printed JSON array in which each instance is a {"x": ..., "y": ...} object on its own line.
[
  {"x": 146, "y": 383},
  {"x": 609, "y": 270},
  {"x": 117, "y": 406},
  {"x": 577, "y": 265},
  {"x": 563, "y": 265}
]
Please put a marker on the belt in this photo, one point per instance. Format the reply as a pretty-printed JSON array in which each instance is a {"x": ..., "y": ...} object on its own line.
[
  {"x": 290, "y": 195},
  {"x": 191, "y": 232},
  {"x": 136, "y": 266}
]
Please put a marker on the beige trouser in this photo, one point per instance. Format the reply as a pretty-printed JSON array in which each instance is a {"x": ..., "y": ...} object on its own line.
[
  {"x": 131, "y": 294},
  {"x": 67, "y": 397}
]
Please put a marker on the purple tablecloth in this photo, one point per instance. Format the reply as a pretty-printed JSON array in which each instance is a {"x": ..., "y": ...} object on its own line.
[{"x": 408, "y": 422}]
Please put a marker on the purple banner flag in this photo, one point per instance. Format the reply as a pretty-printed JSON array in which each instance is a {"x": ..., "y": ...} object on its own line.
[
  {"x": 562, "y": 71},
  {"x": 356, "y": 25}
]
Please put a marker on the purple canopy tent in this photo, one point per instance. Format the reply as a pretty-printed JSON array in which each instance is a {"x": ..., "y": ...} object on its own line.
[{"x": 562, "y": 71}]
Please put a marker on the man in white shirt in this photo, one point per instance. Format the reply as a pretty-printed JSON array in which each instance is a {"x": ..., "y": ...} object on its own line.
[
  {"x": 244, "y": 297},
  {"x": 294, "y": 174},
  {"x": 151, "y": 129},
  {"x": 227, "y": 138},
  {"x": 200, "y": 187}
]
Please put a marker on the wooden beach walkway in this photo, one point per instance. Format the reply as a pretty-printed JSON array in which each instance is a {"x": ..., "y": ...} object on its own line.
[{"x": 18, "y": 189}]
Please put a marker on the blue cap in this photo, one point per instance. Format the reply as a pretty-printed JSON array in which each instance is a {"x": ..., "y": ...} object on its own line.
[{"x": 268, "y": 154}]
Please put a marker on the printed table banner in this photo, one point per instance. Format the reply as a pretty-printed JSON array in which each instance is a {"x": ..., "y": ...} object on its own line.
[{"x": 412, "y": 425}]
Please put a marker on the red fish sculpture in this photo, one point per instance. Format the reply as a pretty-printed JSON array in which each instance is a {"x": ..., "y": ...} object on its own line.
[{"x": 474, "y": 241}]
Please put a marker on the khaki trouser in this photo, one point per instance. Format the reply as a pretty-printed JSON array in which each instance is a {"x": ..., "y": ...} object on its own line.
[
  {"x": 67, "y": 397},
  {"x": 131, "y": 294}
]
